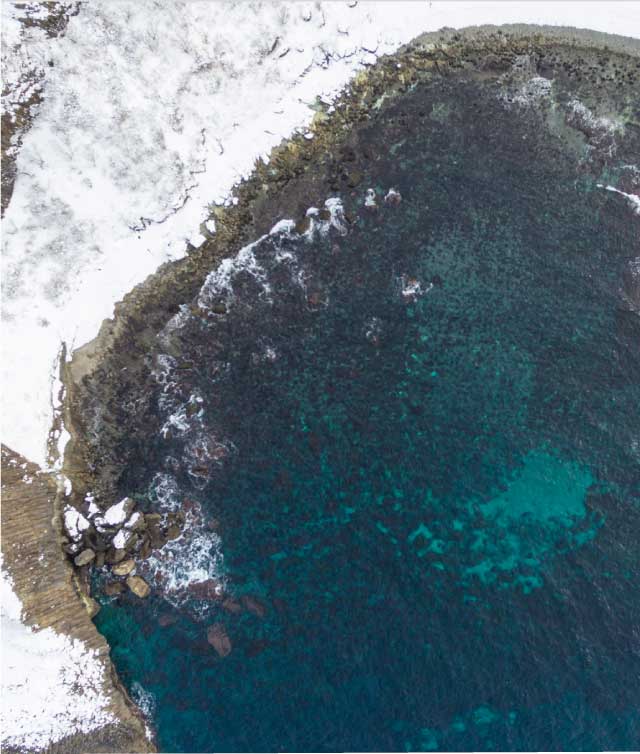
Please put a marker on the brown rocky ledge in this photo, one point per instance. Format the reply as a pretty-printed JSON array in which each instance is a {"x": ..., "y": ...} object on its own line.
[{"x": 52, "y": 596}]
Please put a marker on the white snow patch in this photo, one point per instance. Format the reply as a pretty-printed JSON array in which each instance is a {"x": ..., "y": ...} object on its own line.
[
  {"x": 121, "y": 539},
  {"x": 370, "y": 199},
  {"x": 74, "y": 522},
  {"x": 117, "y": 514},
  {"x": 133, "y": 520}
]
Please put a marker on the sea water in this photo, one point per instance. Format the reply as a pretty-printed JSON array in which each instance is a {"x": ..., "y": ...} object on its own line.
[{"x": 413, "y": 414}]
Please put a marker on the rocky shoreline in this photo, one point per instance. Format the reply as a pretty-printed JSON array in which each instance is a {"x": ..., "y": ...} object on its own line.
[{"x": 109, "y": 386}]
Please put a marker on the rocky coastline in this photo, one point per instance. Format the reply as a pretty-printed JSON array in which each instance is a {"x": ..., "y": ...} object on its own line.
[
  {"x": 109, "y": 385},
  {"x": 109, "y": 388}
]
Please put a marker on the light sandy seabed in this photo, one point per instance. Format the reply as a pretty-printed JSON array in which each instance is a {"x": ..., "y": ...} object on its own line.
[{"x": 152, "y": 110}]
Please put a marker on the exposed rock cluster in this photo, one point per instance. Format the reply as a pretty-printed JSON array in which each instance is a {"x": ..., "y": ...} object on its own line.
[{"x": 117, "y": 538}]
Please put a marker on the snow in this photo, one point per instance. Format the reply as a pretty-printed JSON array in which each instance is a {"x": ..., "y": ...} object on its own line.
[
  {"x": 153, "y": 110},
  {"x": 121, "y": 539},
  {"x": 131, "y": 523},
  {"x": 117, "y": 514},
  {"x": 74, "y": 522},
  {"x": 51, "y": 684}
]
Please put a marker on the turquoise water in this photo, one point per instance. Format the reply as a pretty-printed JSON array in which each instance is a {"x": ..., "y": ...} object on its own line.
[{"x": 430, "y": 476}]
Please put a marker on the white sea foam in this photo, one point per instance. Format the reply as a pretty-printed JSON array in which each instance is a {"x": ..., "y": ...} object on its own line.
[
  {"x": 632, "y": 199},
  {"x": 219, "y": 282},
  {"x": 146, "y": 703},
  {"x": 165, "y": 491}
]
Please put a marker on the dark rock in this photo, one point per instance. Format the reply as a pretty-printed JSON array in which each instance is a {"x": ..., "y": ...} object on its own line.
[
  {"x": 393, "y": 198},
  {"x": 84, "y": 558},
  {"x": 166, "y": 620},
  {"x": 138, "y": 586},
  {"x": 219, "y": 639},
  {"x": 354, "y": 178},
  {"x": 100, "y": 557},
  {"x": 145, "y": 549},
  {"x": 302, "y": 226},
  {"x": 157, "y": 539},
  {"x": 114, "y": 555},
  {"x": 174, "y": 531},
  {"x": 112, "y": 588}
]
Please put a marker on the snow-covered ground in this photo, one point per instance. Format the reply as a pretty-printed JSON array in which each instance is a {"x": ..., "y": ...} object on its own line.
[
  {"x": 52, "y": 685},
  {"x": 152, "y": 109}
]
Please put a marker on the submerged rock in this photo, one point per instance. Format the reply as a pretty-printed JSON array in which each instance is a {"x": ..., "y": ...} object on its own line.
[
  {"x": 113, "y": 588},
  {"x": 205, "y": 590},
  {"x": 219, "y": 639},
  {"x": 254, "y": 605},
  {"x": 231, "y": 606}
]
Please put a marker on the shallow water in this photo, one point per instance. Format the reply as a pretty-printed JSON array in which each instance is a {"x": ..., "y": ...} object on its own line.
[{"x": 417, "y": 427}]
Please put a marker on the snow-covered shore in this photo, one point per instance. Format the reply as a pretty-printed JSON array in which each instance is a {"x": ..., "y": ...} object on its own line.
[{"x": 151, "y": 111}]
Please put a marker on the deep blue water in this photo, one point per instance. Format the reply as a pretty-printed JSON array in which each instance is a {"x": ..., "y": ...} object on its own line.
[{"x": 435, "y": 497}]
